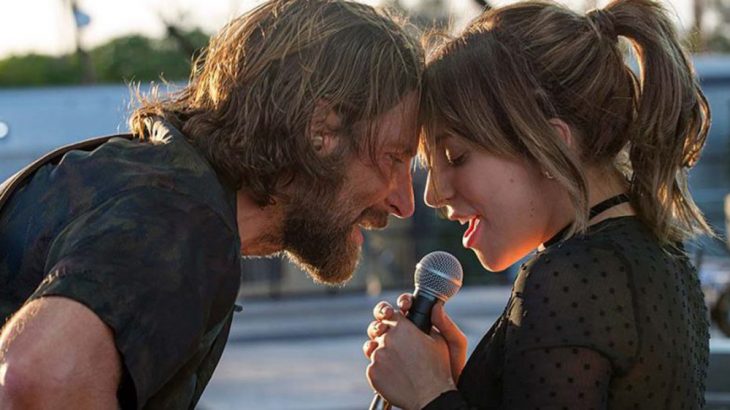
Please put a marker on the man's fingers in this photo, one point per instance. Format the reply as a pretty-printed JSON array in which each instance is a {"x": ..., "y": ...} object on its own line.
[{"x": 383, "y": 310}]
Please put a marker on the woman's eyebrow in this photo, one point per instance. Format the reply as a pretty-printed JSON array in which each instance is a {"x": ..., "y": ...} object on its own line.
[{"x": 442, "y": 137}]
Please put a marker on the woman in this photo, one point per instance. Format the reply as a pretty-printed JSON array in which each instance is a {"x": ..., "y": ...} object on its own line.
[{"x": 540, "y": 137}]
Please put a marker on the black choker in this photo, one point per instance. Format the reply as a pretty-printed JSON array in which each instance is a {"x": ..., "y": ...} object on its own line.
[
  {"x": 608, "y": 203},
  {"x": 592, "y": 213}
]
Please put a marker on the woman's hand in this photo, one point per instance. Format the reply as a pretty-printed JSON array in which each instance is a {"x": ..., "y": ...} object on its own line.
[
  {"x": 408, "y": 367},
  {"x": 454, "y": 337}
]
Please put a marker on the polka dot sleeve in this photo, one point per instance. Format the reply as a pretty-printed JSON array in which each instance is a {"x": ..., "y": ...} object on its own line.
[{"x": 557, "y": 378}]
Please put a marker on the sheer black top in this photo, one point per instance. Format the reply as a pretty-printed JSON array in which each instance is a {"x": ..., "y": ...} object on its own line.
[{"x": 607, "y": 320}]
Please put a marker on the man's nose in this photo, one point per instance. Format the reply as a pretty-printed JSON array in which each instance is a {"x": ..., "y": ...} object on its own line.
[{"x": 400, "y": 200}]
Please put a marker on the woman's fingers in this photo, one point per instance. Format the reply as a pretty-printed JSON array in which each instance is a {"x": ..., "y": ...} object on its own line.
[
  {"x": 404, "y": 302},
  {"x": 448, "y": 329},
  {"x": 369, "y": 347},
  {"x": 405, "y": 361},
  {"x": 454, "y": 337},
  {"x": 382, "y": 311},
  {"x": 376, "y": 328}
]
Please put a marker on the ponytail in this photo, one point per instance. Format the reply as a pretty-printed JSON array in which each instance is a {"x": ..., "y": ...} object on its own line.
[
  {"x": 671, "y": 121},
  {"x": 518, "y": 66}
]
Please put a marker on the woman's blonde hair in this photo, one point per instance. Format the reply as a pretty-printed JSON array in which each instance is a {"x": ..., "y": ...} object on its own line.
[
  {"x": 516, "y": 67},
  {"x": 253, "y": 92}
]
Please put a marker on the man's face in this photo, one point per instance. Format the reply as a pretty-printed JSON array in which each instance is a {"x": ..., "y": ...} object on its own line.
[{"x": 323, "y": 235}]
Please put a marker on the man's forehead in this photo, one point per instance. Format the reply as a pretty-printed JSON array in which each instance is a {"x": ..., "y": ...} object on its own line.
[
  {"x": 407, "y": 144},
  {"x": 398, "y": 128}
]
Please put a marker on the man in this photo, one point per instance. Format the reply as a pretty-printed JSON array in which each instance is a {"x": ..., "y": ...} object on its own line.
[{"x": 119, "y": 263}]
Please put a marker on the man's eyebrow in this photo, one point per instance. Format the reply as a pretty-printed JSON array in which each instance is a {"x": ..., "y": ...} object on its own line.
[
  {"x": 409, "y": 150},
  {"x": 406, "y": 150},
  {"x": 401, "y": 148}
]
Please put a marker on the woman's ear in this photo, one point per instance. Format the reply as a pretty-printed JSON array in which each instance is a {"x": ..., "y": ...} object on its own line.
[
  {"x": 564, "y": 132},
  {"x": 324, "y": 128}
]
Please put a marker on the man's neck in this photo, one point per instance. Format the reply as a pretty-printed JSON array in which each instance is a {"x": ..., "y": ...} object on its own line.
[{"x": 260, "y": 228}]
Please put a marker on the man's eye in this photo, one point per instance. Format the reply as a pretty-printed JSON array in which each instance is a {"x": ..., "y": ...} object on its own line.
[{"x": 396, "y": 158}]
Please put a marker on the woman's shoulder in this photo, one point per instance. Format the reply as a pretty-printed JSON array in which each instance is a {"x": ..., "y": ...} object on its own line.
[
  {"x": 588, "y": 254},
  {"x": 578, "y": 293},
  {"x": 606, "y": 252},
  {"x": 577, "y": 274}
]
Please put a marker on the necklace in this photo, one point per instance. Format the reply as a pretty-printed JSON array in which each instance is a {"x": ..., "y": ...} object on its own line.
[{"x": 592, "y": 213}]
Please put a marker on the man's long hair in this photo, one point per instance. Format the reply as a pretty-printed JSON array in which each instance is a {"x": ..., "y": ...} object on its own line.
[{"x": 252, "y": 93}]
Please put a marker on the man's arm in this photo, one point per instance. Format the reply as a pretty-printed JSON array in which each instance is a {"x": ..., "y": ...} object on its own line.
[{"x": 56, "y": 353}]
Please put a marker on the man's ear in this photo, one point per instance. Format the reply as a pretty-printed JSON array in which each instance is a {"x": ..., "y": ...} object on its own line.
[
  {"x": 324, "y": 128},
  {"x": 564, "y": 132}
]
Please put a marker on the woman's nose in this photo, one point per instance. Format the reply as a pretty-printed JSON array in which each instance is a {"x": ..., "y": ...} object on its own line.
[{"x": 436, "y": 191}]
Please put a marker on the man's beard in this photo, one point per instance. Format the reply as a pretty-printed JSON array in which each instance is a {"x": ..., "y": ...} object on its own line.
[{"x": 317, "y": 236}]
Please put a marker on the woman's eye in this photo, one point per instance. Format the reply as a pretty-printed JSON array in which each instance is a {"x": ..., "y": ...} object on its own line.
[{"x": 455, "y": 159}]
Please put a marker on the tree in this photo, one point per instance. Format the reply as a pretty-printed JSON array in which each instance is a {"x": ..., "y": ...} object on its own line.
[{"x": 126, "y": 58}]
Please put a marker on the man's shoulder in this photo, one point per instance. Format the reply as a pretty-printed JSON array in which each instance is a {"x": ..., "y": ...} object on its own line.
[
  {"x": 168, "y": 165},
  {"x": 82, "y": 179}
]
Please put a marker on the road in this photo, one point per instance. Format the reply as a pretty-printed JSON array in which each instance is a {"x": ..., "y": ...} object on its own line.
[{"x": 306, "y": 353}]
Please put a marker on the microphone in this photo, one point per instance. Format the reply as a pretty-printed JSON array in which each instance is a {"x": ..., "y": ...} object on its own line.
[{"x": 438, "y": 276}]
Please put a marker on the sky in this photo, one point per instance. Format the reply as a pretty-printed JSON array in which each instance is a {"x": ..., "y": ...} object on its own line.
[{"x": 46, "y": 26}]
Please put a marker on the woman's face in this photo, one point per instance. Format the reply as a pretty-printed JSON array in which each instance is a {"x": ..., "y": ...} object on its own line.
[{"x": 508, "y": 207}]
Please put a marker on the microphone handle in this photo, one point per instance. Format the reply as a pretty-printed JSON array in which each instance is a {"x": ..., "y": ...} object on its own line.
[
  {"x": 420, "y": 315},
  {"x": 379, "y": 403},
  {"x": 420, "y": 311}
]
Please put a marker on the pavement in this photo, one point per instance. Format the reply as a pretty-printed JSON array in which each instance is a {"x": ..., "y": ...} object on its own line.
[{"x": 305, "y": 353}]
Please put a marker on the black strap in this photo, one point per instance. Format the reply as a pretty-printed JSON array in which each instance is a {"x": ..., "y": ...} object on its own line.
[
  {"x": 592, "y": 213},
  {"x": 607, "y": 204}
]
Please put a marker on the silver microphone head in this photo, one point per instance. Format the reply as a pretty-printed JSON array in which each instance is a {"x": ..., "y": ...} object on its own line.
[{"x": 439, "y": 274}]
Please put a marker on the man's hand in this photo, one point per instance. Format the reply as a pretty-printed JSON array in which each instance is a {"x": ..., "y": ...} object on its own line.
[{"x": 56, "y": 353}]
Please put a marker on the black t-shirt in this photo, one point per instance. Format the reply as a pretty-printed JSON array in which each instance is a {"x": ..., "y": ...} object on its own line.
[
  {"x": 143, "y": 234},
  {"x": 608, "y": 320}
]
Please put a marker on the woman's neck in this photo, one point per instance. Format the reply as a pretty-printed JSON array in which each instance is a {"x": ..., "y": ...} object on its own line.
[{"x": 604, "y": 184}]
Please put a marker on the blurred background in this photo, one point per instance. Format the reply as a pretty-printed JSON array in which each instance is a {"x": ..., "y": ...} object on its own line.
[{"x": 67, "y": 68}]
